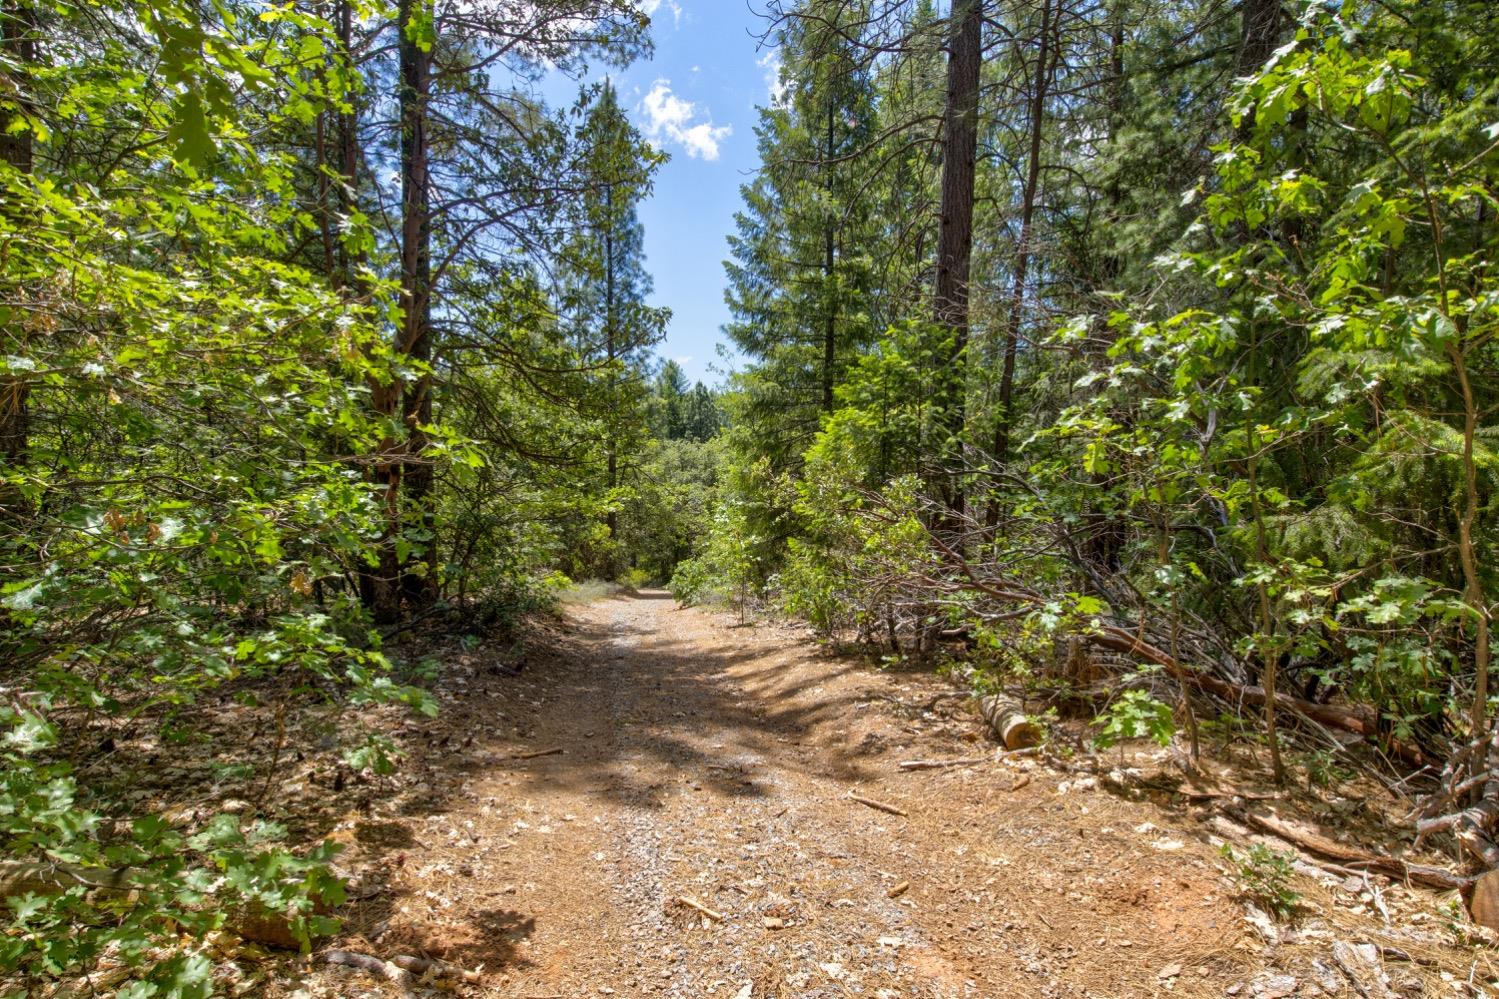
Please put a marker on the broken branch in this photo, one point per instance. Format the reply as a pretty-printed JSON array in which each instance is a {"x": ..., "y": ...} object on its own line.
[
  {"x": 880, "y": 805},
  {"x": 539, "y": 753},
  {"x": 942, "y": 764},
  {"x": 693, "y": 903}
]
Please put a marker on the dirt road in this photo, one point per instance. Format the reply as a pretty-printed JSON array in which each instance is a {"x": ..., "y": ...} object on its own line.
[{"x": 711, "y": 762}]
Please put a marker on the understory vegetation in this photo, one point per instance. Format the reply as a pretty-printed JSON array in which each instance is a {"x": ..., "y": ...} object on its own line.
[
  {"x": 317, "y": 322},
  {"x": 1136, "y": 357}
]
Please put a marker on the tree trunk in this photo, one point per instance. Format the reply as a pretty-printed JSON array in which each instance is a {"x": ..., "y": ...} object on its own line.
[
  {"x": 1473, "y": 591},
  {"x": 1040, "y": 82},
  {"x": 611, "y": 349},
  {"x": 830, "y": 288},
  {"x": 378, "y": 590},
  {"x": 955, "y": 226},
  {"x": 418, "y": 576},
  {"x": 1259, "y": 33},
  {"x": 348, "y": 148},
  {"x": 18, "y": 38}
]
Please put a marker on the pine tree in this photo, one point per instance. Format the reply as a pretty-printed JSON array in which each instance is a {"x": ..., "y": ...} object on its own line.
[
  {"x": 672, "y": 400},
  {"x": 799, "y": 277},
  {"x": 605, "y": 283}
]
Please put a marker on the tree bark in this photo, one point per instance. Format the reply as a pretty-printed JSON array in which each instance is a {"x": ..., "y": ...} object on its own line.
[
  {"x": 378, "y": 590},
  {"x": 1259, "y": 33},
  {"x": 830, "y": 288},
  {"x": 1040, "y": 83},
  {"x": 1009, "y": 722},
  {"x": 417, "y": 571},
  {"x": 955, "y": 226},
  {"x": 611, "y": 350},
  {"x": 18, "y": 38}
]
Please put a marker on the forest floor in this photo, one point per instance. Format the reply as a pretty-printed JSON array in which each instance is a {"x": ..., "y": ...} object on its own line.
[
  {"x": 713, "y": 762},
  {"x": 545, "y": 829}
]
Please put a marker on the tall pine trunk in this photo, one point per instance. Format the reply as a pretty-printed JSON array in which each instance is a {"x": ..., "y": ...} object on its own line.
[
  {"x": 611, "y": 445},
  {"x": 18, "y": 38},
  {"x": 418, "y": 578},
  {"x": 1040, "y": 82},
  {"x": 955, "y": 229},
  {"x": 378, "y": 581},
  {"x": 830, "y": 288}
]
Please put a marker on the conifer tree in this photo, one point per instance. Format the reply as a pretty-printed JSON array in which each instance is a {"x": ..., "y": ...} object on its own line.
[
  {"x": 605, "y": 285},
  {"x": 798, "y": 278}
]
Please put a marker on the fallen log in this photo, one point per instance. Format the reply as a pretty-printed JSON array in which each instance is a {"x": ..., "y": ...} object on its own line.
[
  {"x": 1483, "y": 900},
  {"x": 1009, "y": 722},
  {"x": 1422, "y": 874},
  {"x": 257, "y": 925},
  {"x": 1131, "y": 643},
  {"x": 1362, "y": 723}
]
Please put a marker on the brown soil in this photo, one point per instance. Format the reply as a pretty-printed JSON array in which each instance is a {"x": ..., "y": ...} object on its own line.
[{"x": 714, "y": 762}]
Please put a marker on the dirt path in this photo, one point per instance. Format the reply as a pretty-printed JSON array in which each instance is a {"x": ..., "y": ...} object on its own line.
[{"x": 716, "y": 762}]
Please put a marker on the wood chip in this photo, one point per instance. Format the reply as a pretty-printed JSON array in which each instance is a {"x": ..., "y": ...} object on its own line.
[
  {"x": 898, "y": 890},
  {"x": 880, "y": 805}
]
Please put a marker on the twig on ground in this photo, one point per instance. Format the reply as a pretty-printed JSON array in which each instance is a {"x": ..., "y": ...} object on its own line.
[
  {"x": 422, "y": 965},
  {"x": 693, "y": 903},
  {"x": 880, "y": 805},
  {"x": 942, "y": 764},
  {"x": 374, "y": 965},
  {"x": 555, "y": 751}
]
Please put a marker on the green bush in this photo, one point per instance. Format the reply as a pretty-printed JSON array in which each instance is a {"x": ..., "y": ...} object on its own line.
[{"x": 1264, "y": 877}]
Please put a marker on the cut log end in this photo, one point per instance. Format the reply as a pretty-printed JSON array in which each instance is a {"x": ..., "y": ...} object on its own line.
[
  {"x": 1483, "y": 904},
  {"x": 1005, "y": 716}
]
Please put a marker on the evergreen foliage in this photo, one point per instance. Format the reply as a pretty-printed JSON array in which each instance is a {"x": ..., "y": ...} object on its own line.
[{"x": 1228, "y": 371}]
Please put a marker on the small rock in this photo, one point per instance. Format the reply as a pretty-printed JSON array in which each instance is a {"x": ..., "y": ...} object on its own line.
[
  {"x": 1275, "y": 987},
  {"x": 774, "y": 923}
]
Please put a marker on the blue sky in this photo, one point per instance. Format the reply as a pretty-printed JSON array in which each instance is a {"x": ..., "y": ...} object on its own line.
[{"x": 695, "y": 99}]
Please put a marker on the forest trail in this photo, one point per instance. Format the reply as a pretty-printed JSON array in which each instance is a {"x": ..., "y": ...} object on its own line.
[{"x": 715, "y": 762}]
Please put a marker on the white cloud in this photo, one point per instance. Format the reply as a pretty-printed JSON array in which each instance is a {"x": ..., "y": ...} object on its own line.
[
  {"x": 669, "y": 118},
  {"x": 649, "y": 8},
  {"x": 771, "y": 63}
]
